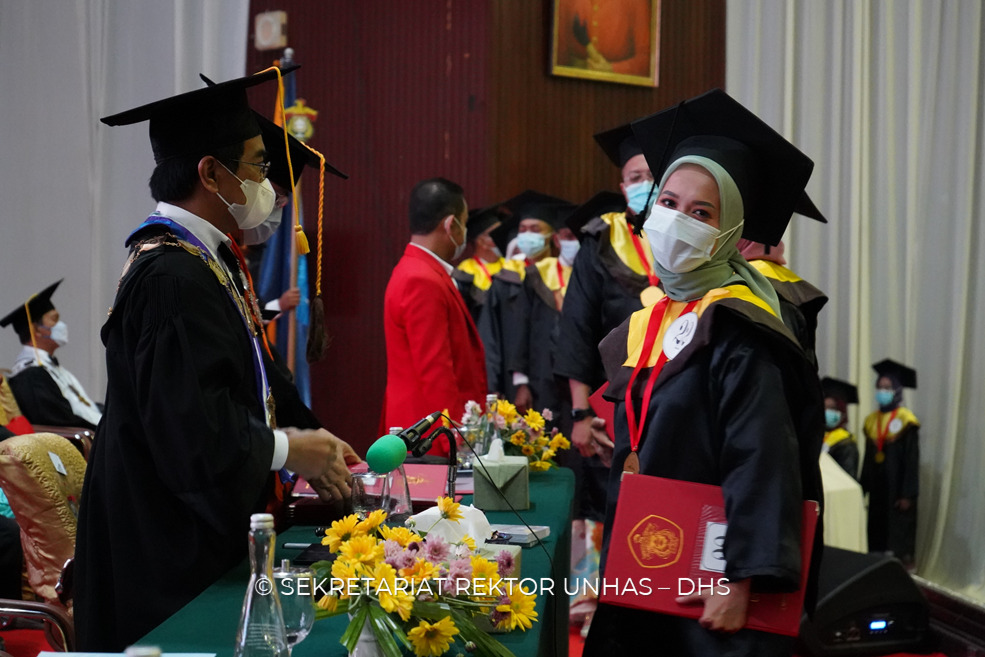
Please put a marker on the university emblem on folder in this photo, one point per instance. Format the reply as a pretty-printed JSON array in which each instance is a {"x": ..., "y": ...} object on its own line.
[{"x": 656, "y": 542}]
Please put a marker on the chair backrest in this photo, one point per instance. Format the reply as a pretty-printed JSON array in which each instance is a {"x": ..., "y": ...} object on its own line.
[
  {"x": 8, "y": 405},
  {"x": 42, "y": 475}
]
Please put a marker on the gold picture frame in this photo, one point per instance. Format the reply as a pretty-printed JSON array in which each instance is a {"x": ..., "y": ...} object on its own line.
[{"x": 604, "y": 40}]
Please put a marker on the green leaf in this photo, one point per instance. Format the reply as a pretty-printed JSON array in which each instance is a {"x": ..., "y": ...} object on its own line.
[
  {"x": 485, "y": 644},
  {"x": 351, "y": 635},
  {"x": 381, "y": 632}
]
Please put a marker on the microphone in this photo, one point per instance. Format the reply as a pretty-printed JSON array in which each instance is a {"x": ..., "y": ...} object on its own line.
[
  {"x": 412, "y": 435},
  {"x": 386, "y": 454}
]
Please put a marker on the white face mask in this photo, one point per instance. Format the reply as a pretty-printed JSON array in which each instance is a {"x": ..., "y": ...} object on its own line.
[
  {"x": 459, "y": 248},
  {"x": 569, "y": 249},
  {"x": 59, "y": 333},
  {"x": 680, "y": 243},
  {"x": 531, "y": 243},
  {"x": 264, "y": 231},
  {"x": 260, "y": 198}
]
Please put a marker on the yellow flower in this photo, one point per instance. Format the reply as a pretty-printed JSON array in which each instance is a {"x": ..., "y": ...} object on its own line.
[
  {"x": 449, "y": 509},
  {"x": 534, "y": 420},
  {"x": 483, "y": 568},
  {"x": 507, "y": 410},
  {"x": 520, "y": 610},
  {"x": 469, "y": 542},
  {"x": 401, "y": 535},
  {"x": 328, "y": 603},
  {"x": 432, "y": 639},
  {"x": 420, "y": 571},
  {"x": 362, "y": 550},
  {"x": 527, "y": 450},
  {"x": 560, "y": 442},
  {"x": 547, "y": 454},
  {"x": 345, "y": 575},
  {"x": 392, "y": 599},
  {"x": 541, "y": 441},
  {"x": 540, "y": 466},
  {"x": 372, "y": 521},
  {"x": 341, "y": 531},
  {"x": 519, "y": 438}
]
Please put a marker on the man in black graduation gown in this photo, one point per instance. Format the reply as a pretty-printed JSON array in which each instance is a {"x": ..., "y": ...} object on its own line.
[
  {"x": 185, "y": 453},
  {"x": 613, "y": 277},
  {"x": 46, "y": 392}
]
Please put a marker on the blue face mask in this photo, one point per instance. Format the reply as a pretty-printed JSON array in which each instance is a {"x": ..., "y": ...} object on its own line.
[
  {"x": 531, "y": 243},
  {"x": 832, "y": 418},
  {"x": 637, "y": 193},
  {"x": 885, "y": 397}
]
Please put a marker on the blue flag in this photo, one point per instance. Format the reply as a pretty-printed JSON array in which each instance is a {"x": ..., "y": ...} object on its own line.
[{"x": 275, "y": 278}]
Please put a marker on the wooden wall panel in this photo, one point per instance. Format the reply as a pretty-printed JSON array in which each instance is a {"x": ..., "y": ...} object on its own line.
[
  {"x": 457, "y": 88},
  {"x": 542, "y": 125}
]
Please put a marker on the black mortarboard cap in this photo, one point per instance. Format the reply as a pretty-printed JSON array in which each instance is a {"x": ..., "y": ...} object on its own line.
[
  {"x": 905, "y": 376},
  {"x": 771, "y": 177},
  {"x": 839, "y": 389},
  {"x": 600, "y": 204},
  {"x": 535, "y": 205},
  {"x": 806, "y": 207},
  {"x": 619, "y": 144},
  {"x": 273, "y": 140},
  {"x": 39, "y": 304},
  {"x": 482, "y": 219},
  {"x": 200, "y": 121}
]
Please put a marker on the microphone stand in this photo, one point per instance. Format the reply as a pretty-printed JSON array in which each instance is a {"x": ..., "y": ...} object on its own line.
[{"x": 422, "y": 446}]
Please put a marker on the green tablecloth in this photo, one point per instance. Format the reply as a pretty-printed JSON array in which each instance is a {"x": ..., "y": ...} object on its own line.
[{"x": 208, "y": 623}]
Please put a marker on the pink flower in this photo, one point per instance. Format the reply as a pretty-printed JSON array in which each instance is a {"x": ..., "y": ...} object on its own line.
[
  {"x": 436, "y": 549},
  {"x": 547, "y": 414},
  {"x": 506, "y": 563}
]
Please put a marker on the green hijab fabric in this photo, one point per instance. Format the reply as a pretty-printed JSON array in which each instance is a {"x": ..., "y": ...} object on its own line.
[{"x": 726, "y": 266}]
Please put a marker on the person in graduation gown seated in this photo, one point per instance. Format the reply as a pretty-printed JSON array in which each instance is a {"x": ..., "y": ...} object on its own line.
[
  {"x": 47, "y": 392},
  {"x": 474, "y": 274},
  {"x": 800, "y": 302},
  {"x": 503, "y": 321},
  {"x": 838, "y": 440},
  {"x": 435, "y": 360},
  {"x": 891, "y": 470},
  {"x": 612, "y": 278},
  {"x": 186, "y": 451},
  {"x": 710, "y": 386}
]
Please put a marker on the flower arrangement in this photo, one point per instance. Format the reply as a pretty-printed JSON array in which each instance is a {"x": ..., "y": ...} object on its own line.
[
  {"x": 525, "y": 435},
  {"x": 419, "y": 591}
]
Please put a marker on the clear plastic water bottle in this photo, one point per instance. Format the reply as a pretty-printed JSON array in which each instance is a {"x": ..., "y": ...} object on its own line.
[
  {"x": 261, "y": 626},
  {"x": 488, "y": 430}
]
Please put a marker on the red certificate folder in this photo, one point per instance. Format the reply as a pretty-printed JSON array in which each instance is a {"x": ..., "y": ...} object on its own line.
[
  {"x": 667, "y": 541},
  {"x": 427, "y": 482}
]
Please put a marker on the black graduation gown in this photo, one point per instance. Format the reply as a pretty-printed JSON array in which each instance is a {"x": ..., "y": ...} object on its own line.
[
  {"x": 41, "y": 400},
  {"x": 897, "y": 477},
  {"x": 533, "y": 351},
  {"x": 800, "y": 304},
  {"x": 289, "y": 408},
  {"x": 741, "y": 408},
  {"x": 845, "y": 454},
  {"x": 602, "y": 293},
  {"x": 500, "y": 321},
  {"x": 181, "y": 458},
  {"x": 473, "y": 297}
]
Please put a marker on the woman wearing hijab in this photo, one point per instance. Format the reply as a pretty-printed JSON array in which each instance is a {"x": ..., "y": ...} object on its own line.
[
  {"x": 711, "y": 387},
  {"x": 890, "y": 474},
  {"x": 838, "y": 440}
]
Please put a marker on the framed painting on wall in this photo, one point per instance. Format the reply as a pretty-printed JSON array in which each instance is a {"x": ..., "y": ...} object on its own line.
[{"x": 607, "y": 40}]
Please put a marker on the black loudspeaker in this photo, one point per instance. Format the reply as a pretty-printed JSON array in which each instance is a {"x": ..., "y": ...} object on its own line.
[{"x": 867, "y": 605}]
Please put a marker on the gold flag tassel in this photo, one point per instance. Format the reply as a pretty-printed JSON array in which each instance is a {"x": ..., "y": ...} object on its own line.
[
  {"x": 318, "y": 337},
  {"x": 300, "y": 238}
]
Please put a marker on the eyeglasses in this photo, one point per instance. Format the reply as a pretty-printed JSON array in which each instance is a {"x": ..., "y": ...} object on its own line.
[{"x": 263, "y": 166}]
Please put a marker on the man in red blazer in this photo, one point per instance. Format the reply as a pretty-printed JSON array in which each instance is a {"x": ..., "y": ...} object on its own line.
[{"x": 434, "y": 356}]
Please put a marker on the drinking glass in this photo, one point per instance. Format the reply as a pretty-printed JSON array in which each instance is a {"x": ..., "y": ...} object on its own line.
[
  {"x": 295, "y": 584},
  {"x": 367, "y": 492}
]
